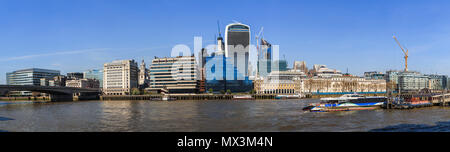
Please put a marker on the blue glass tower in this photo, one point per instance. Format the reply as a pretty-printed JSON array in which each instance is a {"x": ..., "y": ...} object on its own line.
[{"x": 221, "y": 75}]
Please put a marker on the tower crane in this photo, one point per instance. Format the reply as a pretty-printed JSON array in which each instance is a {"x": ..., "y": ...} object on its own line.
[
  {"x": 405, "y": 52},
  {"x": 258, "y": 49},
  {"x": 257, "y": 40}
]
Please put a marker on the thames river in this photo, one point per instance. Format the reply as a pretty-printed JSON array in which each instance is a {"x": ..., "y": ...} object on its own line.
[{"x": 203, "y": 116}]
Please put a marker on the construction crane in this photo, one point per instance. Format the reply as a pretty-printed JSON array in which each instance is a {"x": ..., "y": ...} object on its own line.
[
  {"x": 257, "y": 40},
  {"x": 405, "y": 52},
  {"x": 258, "y": 49}
]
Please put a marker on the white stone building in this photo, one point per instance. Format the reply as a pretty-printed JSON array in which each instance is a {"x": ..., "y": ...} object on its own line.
[
  {"x": 343, "y": 84},
  {"x": 119, "y": 77}
]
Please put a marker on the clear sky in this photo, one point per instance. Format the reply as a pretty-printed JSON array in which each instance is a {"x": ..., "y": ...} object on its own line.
[{"x": 76, "y": 35}]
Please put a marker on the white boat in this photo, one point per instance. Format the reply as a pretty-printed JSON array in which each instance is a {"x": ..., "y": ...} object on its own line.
[
  {"x": 288, "y": 97},
  {"x": 242, "y": 97},
  {"x": 167, "y": 98}
]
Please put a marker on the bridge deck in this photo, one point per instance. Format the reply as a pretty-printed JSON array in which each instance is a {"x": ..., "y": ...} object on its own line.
[{"x": 48, "y": 89}]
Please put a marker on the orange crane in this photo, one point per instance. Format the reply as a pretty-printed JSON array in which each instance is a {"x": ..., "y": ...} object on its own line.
[{"x": 405, "y": 52}]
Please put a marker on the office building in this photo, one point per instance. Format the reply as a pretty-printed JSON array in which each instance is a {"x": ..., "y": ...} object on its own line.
[
  {"x": 448, "y": 83},
  {"x": 222, "y": 75},
  {"x": 279, "y": 65},
  {"x": 29, "y": 77},
  {"x": 264, "y": 64},
  {"x": 202, "y": 59},
  {"x": 94, "y": 74},
  {"x": 407, "y": 81},
  {"x": 437, "y": 82},
  {"x": 237, "y": 46},
  {"x": 57, "y": 81},
  {"x": 412, "y": 81},
  {"x": 391, "y": 77},
  {"x": 374, "y": 75},
  {"x": 83, "y": 83},
  {"x": 119, "y": 77},
  {"x": 44, "y": 81},
  {"x": 174, "y": 75}
]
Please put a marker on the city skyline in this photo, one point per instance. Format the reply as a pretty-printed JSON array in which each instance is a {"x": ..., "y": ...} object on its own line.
[{"x": 77, "y": 36}]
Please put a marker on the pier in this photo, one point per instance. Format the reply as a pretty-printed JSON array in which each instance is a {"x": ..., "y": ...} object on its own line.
[
  {"x": 441, "y": 100},
  {"x": 424, "y": 100}
]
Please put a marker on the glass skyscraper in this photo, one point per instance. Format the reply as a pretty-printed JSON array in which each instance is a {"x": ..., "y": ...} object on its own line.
[
  {"x": 264, "y": 64},
  {"x": 237, "y": 46}
]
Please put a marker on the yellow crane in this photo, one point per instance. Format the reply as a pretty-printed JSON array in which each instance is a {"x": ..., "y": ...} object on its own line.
[{"x": 405, "y": 52}]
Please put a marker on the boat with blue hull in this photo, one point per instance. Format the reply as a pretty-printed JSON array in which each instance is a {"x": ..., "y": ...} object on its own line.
[{"x": 348, "y": 102}]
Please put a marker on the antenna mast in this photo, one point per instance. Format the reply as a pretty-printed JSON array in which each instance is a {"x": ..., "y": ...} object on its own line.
[{"x": 218, "y": 28}]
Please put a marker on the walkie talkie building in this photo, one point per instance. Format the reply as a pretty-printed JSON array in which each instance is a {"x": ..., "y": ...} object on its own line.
[{"x": 237, "y": 42}]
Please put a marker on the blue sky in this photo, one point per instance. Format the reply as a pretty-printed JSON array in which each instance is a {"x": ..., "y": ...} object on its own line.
[{"x": 76, "y": 35}]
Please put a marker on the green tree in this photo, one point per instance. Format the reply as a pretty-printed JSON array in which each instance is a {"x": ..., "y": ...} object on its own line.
[
  {"x": 222, "y": 91},
  {"x": 228, "y": 91},
  {"x": 135, "y": 91},
  {"x": 145, "y": 92},
  {"x": 210, "y": 90}
]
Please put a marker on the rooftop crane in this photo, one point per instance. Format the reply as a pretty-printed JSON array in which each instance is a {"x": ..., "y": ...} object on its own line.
[{"x": 405, "y": 52}]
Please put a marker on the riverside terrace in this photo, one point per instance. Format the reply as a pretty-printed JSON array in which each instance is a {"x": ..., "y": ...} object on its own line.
[{"x": 56, "y": 93}]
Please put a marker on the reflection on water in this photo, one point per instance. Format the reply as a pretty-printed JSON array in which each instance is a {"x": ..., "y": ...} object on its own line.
[
  {"x": 266, "y": 115},
  {"x": 5, "y": 119},
  {"x": 439, "y": 127}
]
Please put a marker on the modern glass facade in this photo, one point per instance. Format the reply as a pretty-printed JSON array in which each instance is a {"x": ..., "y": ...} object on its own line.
[
  {"x": 237, "y": 42},
  {"x": 410, "y": 81},
  {"x": 437, "y": 82},
  {"x": 280, "y": 65},
  {"x": 221, "y": 76},
  {"x": 264, "y": 64},
  {"x": 94, "y": 74},
  {"x": 30, "y": 76}
]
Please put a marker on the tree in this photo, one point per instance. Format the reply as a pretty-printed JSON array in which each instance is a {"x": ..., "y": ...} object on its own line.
[
  {"x": 145, "y": 92},
  {"x": 228, "y": 91},
  {"x": 222, "y": 91},
  {"x": 135, "y": 91},
  {"x": 210, "y": 90}
]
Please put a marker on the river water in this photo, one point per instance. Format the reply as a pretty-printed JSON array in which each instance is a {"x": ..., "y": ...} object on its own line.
[{"x": 221, "y": 116}]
